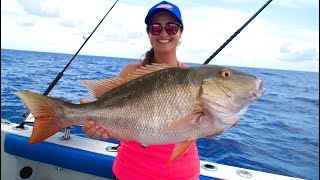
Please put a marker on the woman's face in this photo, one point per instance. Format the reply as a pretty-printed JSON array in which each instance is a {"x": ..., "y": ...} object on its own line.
[{"x": 164, "y": 42}]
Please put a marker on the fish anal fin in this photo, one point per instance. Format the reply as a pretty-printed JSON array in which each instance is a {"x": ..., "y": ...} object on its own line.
[
  {"x": 186, "y": 123},
  {"x": 98, "y": 88},
  {"x": 179, "y": 150}
]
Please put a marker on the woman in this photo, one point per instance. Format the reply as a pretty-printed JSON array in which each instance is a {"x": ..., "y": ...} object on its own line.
[{"x": 164, "y": 28}]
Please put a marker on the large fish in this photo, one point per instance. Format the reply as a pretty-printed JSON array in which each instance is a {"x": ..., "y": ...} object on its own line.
[{"x": 157, "y": 104}]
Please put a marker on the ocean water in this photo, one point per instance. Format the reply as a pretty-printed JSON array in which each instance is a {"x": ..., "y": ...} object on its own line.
[{"x": 278, "y": 134}]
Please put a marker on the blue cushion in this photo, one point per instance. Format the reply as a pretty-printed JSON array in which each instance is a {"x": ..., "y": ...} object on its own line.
[{"x": 62, "y": 156}]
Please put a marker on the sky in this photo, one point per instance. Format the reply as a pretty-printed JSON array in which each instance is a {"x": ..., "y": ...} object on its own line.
[{"x": 285, "y": 35}]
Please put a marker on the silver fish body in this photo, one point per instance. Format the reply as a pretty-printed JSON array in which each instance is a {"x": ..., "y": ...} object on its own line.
[{"x": 156, "y": 105}]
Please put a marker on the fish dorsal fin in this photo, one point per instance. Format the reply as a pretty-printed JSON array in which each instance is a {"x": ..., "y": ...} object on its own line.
[{"x": 98, "y": 88}]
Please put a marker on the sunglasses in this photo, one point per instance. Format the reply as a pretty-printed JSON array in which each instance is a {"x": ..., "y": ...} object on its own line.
[{"x": 171, "y": 28}]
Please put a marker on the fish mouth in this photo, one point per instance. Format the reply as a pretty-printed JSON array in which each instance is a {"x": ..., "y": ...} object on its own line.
[{"x": 259, "y": 90}]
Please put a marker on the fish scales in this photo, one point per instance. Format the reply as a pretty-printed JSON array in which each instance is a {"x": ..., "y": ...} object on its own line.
[{"x": 151, "y": 103}]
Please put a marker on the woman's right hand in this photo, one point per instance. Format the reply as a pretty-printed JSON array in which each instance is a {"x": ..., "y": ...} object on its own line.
[{"x": 93, "y": 130}]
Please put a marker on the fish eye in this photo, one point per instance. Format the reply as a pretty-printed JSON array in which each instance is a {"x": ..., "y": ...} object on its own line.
[{"x": 225, "y": 74}]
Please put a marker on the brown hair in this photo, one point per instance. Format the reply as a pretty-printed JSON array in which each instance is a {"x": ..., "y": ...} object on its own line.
[{"x": 149, "y": 57}]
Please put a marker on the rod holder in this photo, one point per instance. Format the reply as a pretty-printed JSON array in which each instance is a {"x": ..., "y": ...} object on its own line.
[{"x": 66, "y": 135}]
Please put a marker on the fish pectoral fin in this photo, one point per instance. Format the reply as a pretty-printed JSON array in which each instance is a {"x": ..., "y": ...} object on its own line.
[
  {"x": 186, "y": 123},
  {"x": 179, "y": 150}
]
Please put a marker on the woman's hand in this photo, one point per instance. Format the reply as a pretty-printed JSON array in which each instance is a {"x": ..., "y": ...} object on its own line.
[{"x": 93, "y": 130}]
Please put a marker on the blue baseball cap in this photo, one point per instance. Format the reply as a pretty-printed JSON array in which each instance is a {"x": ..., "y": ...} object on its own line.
[{"x": 164, "y": 6}]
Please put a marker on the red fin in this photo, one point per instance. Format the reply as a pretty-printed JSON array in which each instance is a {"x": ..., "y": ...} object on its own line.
[
  {"x": 179, "y": 150},
  {"x": 190, "y": 121},
  {"x": 98, "y": 88},
  {"x": 47, "y": 121}
]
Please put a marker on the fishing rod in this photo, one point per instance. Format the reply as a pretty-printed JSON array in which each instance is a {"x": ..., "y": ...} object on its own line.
[
  {"x": 236, "y": 33},
  {"x": 54, "y": 82}
]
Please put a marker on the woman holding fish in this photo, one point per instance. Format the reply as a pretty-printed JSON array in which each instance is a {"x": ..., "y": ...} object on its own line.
[
  {"x": 134, "y": 161},
  {"x": 158, "y": 111}
]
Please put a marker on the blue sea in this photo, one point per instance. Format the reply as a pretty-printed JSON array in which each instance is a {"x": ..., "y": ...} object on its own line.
[{"x": 278, "y": 134}]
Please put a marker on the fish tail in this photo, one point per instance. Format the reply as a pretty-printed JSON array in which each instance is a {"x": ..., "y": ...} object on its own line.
[{"x": 48, "y": 113}]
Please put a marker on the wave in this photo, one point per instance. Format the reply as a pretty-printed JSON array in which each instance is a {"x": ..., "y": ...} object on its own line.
[{"x": 305, "y": 100}]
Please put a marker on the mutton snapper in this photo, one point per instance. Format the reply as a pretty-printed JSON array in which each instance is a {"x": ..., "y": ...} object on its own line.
[{"x": 157, "y": 104}]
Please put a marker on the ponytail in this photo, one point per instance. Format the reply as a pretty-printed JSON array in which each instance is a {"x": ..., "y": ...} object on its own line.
[{"x": 149, "y": 57}]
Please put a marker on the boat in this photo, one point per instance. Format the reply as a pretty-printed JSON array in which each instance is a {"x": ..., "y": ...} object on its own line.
[{"x": 68, "y": 156}]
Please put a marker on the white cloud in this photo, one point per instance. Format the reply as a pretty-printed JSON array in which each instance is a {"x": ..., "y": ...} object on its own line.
[
  {"x": 45, "y": 8},
  {"x": 273, "y": 39}
]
